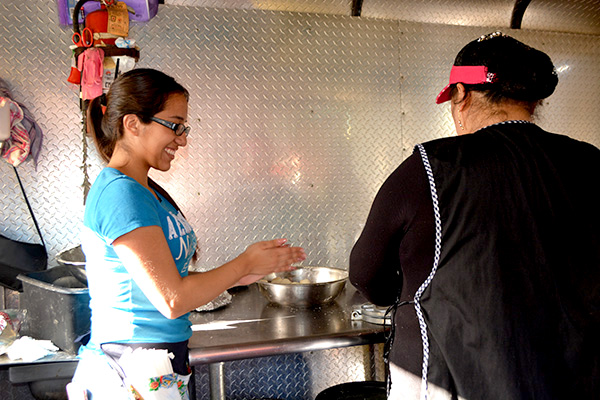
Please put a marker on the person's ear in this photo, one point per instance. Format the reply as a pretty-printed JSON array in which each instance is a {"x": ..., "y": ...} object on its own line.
[
  {"x": 132, "y": 123},
  {"x": 462, "y": 97}
]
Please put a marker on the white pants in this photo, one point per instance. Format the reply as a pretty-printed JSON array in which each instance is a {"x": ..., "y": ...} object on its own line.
[{"x": 97, "y": 379}]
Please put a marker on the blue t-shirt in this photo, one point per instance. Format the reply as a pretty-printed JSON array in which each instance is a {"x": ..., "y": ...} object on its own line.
[{"x": 116, "y": 205}]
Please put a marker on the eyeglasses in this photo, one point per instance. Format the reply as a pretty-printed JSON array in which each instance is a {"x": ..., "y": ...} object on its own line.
[{"x": 178, "y": 129}]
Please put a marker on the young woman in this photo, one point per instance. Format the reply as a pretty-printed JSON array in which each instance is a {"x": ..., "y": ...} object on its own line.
[
  {"x": 487, "y": 244},
  {"x": 138, "y": 245}
]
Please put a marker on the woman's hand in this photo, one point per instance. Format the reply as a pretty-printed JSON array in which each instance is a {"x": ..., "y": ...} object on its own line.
[
  {"x": 263, "y": 258},
  {"x": 147, "y": 257},
  {"x": 248, "y": 279}
]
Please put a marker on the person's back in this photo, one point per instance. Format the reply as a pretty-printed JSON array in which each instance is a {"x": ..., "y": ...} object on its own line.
[
  {"x": 494, "y": 240},
  {"x": 510, "y": 310}
]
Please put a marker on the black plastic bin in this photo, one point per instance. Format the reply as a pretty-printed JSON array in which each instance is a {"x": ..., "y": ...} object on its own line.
[
  {"x": 367, "y": 390},
  {"x": 57, "y": 304}
]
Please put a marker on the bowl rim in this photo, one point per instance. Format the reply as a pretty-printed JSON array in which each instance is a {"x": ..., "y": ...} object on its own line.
[{"x": 263, "y": 281}]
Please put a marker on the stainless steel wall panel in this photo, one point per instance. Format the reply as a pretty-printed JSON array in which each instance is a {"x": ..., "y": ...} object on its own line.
[
  {"x": 341, "y": 7},
  {"x": 575, "y": 16},
  {"x": 295, "y": 376},
  {"x": 456, "y": 12},
  {"x": 297, "y": 119},
  {"x": 428, "y": 51},
  {"x": 573, "y": 108},
  {"x": 34, "y": 61},
  {"x": 292, "y": 114},
  {"x": 282, "y": 107}
]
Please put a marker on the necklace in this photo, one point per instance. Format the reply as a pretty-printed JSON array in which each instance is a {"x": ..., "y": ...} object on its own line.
[{"x": 514, "y": 121}]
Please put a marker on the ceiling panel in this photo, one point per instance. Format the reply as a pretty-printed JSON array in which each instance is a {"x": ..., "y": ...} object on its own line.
[
  {"x": 456, "y": 12},
  {"x": 577, "y": 16},
  {"x": 574, "y": 16},
  {"x": 340, "y": 7}
]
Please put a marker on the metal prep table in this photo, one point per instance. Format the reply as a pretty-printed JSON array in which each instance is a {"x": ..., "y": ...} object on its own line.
[
  {"x": 251, "y": 327},
  {"x": 248, "y": 327}
]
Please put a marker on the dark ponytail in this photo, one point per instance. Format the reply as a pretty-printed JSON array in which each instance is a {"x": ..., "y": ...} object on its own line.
[{"x": 94, "y": 118}]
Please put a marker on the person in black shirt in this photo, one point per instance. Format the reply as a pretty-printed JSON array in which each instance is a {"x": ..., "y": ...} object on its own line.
[{"x": 486, "y": 245}]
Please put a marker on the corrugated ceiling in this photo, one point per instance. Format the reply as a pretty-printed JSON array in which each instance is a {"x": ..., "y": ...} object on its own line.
[{"x": 573, "y": 16}]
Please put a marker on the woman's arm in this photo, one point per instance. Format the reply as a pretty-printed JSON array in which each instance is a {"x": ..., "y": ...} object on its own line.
[
  {"x": 394, "y": 232},
  {"x": 146, "y": 256}
]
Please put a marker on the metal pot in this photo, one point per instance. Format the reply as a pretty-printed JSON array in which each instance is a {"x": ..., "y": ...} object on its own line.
[{"x": 325, "y": 285}]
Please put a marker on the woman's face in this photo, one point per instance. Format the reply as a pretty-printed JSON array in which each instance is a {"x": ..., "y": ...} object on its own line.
[{"x": 160, "y": 142}]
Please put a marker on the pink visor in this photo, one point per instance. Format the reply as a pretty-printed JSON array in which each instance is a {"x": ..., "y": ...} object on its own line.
[{"x": 469, "y": 74}]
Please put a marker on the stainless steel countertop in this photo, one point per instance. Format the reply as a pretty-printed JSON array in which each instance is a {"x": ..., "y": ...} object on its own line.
[{"x": 251, "y": 327}]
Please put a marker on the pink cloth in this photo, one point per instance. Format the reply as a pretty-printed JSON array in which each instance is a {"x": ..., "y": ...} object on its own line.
[
  {"x": 17, "y": 147},
  {"x": 90, "y": 64}
]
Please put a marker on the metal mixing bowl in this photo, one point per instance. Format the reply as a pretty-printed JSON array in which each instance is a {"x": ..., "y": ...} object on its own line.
[{"x": 326, "y": 284}]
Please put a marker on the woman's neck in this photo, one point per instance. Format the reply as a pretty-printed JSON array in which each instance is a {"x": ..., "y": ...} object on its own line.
[
  {"x": 492, "y": 121},
  {"x": 475, "y": 121},
  {"x": 121, "y": 161}
]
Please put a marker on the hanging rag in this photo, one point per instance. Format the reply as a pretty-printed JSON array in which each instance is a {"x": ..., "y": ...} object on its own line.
[
  {"x": 90, "y": 64},
  {"x": 27, "y": 136},
  {"x": 19, "y": 144},
  {"x": 34, "y": 131}
]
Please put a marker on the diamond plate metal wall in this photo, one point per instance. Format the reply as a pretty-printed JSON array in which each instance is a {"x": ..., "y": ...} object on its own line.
[
  {"x": 456, "y": 12},
  {"x": 294, "y": 376},
  {"x": 574, "y": 16},
  {"x": 297, "y": 119},
  {"x": 571, "y": 110},
  {"x": 284, "y": 102},
  {"x": 339, "y": 7}
]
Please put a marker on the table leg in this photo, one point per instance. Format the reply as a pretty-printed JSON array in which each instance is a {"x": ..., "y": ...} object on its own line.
[
  {"x": 376, "y": 365},
  {"x": 372, "y": 367},
  {"x": 217, "y": 381}
]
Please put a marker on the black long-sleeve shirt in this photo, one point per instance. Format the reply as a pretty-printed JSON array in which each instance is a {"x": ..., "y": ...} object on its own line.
[
  {"x": 394, "y": 254},
  {"x": 514, "y": 308}
]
